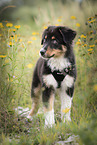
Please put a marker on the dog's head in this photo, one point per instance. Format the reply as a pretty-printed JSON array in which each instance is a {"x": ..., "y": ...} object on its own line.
[{"x": 55, "y": 41}]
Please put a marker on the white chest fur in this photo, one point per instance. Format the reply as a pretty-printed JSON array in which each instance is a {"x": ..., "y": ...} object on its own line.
[{"x": 58, "y": 63}]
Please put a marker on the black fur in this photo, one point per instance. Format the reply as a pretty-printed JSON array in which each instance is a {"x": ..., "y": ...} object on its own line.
[
  {"x": 54, "y": 37},
  {"x": 70, "y": 91}
]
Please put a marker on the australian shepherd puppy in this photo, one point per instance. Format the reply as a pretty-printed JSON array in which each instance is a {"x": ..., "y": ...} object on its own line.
[{"x": 55, "y": 69}]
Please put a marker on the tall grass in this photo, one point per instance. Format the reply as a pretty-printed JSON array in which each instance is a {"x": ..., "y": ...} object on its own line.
[{"x": 20, "y": 45}]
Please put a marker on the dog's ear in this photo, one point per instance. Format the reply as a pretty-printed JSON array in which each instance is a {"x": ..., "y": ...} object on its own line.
[{"x": 67, "y": 34}]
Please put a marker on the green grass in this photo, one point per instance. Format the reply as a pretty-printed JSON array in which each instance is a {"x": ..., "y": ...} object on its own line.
[{"x": 18, "y": 64}]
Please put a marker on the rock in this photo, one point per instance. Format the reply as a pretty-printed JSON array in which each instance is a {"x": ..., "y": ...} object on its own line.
[
  {"x": 22, "y": 112},
  {"x": 70, "y": 141}
]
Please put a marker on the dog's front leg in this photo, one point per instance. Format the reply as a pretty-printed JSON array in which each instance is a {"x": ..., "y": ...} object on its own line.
[
  {"x": 66, "y": 94},
  {"x": 48, "y": 102},
  {"x": 66, "y": 102}
]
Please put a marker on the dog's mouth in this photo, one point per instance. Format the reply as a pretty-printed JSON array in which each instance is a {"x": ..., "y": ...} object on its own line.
[
  {"x": 51, "y": 56},
  {"x": 47, "y": 57},
  {"x": 44, "y": 55}
]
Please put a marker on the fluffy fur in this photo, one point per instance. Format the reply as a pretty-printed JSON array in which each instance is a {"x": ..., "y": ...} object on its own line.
[{"x": 55, "y": 69}]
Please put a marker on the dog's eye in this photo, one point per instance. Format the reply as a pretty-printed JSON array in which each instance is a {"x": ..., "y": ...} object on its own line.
[{"x": 55, "y": 42}]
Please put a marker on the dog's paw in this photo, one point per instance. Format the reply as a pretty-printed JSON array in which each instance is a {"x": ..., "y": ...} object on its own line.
[{"x": 49, "y": 118}]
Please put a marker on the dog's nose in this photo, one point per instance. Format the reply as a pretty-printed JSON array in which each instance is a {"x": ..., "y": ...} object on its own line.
[{"x": 42, "y": 52}]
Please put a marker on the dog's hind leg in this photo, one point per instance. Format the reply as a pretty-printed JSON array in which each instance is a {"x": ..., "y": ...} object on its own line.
[{"x": 35, "y": 94}]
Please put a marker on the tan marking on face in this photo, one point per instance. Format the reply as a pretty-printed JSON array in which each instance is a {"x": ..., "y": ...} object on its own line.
[
  {"x": 53, "y": 37},
  {"x": 46, "y": 37},
  {"x": 64, "y": 48},
  {"x": 50, "y": 104},
  {"x": 55, "y": 52},
  {"x": 49, "y": 52}
]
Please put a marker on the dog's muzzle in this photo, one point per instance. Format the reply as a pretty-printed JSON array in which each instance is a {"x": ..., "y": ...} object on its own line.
[{"x": 42, "y": 52}]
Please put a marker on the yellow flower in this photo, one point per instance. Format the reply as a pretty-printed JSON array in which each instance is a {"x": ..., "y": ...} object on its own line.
[
  {"x": 85, "y": 45},
  {"x": 56, "y": 24},
  {"x": 95, "y": 87},
  {"x": 59, "y": 20},
  {"x": 90, "y": 49},
  {"x": 78, "y": 24},
  {"x": 14, "y": 30},
  {"x": 0, "y": 35},
  {"x": 1, "y": 25},
  {"x": 10, "y": 44},
  {"x": 45, "y": 27},
  {"x": 90, "y": 52},
  {"x": 92, "y": 46},
  {"x": 9, "y": 25},
  {"x": 17, "y": 26},
  {"x": 90, "y": 18},
  {"x": 66, "y": 110},
  {"x": 83, "y": 36},
  {"x": 30, "y": 65},
  {"x": 91, "y": 32},
  {"x": 29, "y": 42},
  {"x": 15, "y": 37},
  {"x": 33, "y": 38},
  {"x": 35, "y": 33},
  {"x": 78, "y": 42},
  {"x": 3, "y": 56},
  {"x": 11, "y": 37},
  {"x": 73, "y": 17},
  {"x": 92, "y": 21},
  {"x": 11, "y": 79}
]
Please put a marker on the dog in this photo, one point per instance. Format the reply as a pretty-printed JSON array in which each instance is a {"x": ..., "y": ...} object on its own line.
[{"x": 55, "y": 69}]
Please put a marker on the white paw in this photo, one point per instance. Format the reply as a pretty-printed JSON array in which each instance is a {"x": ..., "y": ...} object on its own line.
[{"x": 49, "y": 118}]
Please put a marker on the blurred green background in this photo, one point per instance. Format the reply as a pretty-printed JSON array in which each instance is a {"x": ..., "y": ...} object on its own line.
[{"x": 20, "y": 43}]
